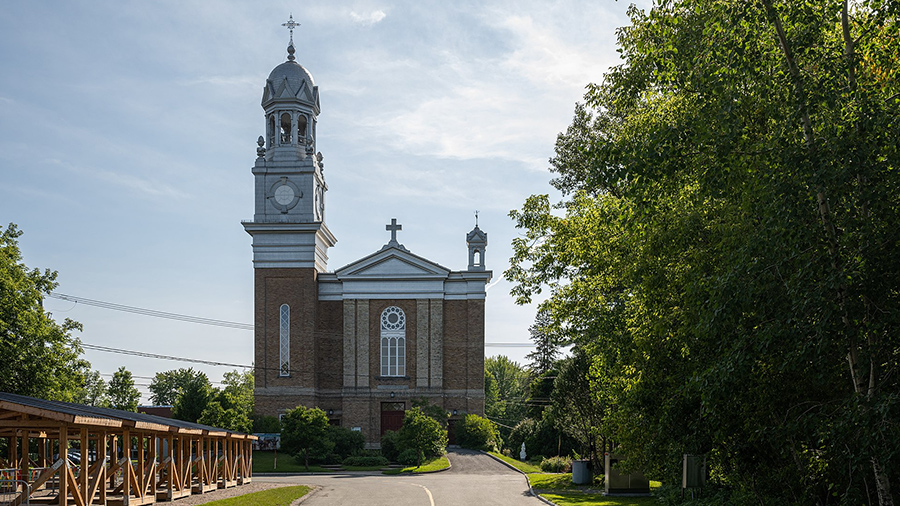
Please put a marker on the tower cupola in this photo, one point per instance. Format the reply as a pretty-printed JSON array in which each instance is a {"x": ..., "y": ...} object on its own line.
[{"x": 291, "y": 102}]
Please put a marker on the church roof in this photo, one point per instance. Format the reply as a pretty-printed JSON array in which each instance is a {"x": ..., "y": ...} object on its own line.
[
  {"x": 293, "y": 72},
  {"x": 393, "y": 262}
]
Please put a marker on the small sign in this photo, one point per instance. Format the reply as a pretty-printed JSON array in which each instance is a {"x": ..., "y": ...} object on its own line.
[{"x": 357, "y": 429}]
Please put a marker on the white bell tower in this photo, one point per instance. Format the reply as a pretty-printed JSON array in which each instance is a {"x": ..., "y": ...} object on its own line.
[{"x": 288, "y": 226}]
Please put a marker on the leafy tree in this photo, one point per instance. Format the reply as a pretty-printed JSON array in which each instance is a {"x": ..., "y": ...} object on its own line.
[
  {"x": 511, "y": 381},
  {"x": 539, "y": 392},
  {"x": 433, "y": 410},
  {"x": 546, "y": 351},
  {"x": 94, "y": 391},
  {"x": 121, "y": 391},
  {"x": 726, "y": 247},
  {"x": 423, "y": 434},
  {"x": 231, "y": 407},
  {"x": 478, "y": 433},
  {"x": 266, "y": 424},
  {"x": 577, "y": 407},
  {"x": 195, "y": 397},
  {"x": 346, "y": 442},
  {"x": 40, "y": 356},
  {"x": 167, "y": 386},
  {"x": 304, "y": 431}
]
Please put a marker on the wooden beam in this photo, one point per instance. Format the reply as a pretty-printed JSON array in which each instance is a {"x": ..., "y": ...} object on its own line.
[
  {"x": 73, "y": 484},
  {"x": 63, "y": 455},
  {"x": 126, "y": 470},
  {"x": 102, "y": 450},
  {"x": 41, "y": 479}
]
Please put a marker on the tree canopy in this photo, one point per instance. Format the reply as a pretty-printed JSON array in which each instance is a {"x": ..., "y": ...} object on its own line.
[
  {"x": 122, "y": 392},
  {"x": 41, "y": 358},
  {"x": 726, "y": 247}
]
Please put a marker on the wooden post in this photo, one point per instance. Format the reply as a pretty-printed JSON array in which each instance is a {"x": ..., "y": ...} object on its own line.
[
  {"x": 126, "y": 469},
  {"x": 153, "y": 444},
  {"x": 83, "y": 475},
  {"x": 170, "y": 470},
  {"x": 64, "y": 469},
  {"x": 101, "y": 454},
  {"x": 42, "y": 452},
  {"x": 113, "y": 458}
]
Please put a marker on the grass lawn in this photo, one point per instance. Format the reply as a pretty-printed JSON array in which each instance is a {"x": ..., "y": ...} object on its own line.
[
  {"x": 580, "y": 499},
  {"x": 429, "y": 466},
  {"x": 558, "y": 487},
  {"x": 281, "y": 496},
  {"x": 525, "y": 467},
  {"x": 264, "y": 462}
]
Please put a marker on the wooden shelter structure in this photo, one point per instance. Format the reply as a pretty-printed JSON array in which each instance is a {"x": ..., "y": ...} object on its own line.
[{"x": 64, "y": 453}]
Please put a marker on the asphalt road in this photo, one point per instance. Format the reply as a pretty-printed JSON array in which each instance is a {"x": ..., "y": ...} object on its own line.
[{"x": 474, "y": 479}]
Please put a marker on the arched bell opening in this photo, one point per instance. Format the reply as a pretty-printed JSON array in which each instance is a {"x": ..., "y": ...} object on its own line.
[
  {"x": 285, "y": 128},
  {"x": 301, "y": 127}
]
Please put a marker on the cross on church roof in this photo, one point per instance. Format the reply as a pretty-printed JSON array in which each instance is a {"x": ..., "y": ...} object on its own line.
[{"x": 393, "y": 227}]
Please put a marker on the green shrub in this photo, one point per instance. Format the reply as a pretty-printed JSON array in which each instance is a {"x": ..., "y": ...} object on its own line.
[
  {"x": 422, "y": 433},
  {"x": 477, "y": 433},
  {"x": 363, "y": 461},
  {"x": 346, "y": 442},
  {"x": 557, "y": 465},
  {"x": 408, "y": 457},
  {"x": 390, "y": 445}
]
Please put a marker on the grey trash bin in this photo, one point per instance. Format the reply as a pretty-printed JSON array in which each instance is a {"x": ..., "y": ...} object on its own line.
[{"x": 581, "y": 472}]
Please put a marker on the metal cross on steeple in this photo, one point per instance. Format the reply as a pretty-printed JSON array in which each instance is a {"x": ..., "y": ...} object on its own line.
[
  {"x": 476, "y": 218},
  {"x": 291, "y": 24},
  {"x": 393, "y": 228}
]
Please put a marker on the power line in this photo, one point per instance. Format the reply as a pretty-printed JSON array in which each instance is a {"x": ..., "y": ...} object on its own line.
[
  {"x": 163, "y": 357},
  {"x": 151, "y": 312}
]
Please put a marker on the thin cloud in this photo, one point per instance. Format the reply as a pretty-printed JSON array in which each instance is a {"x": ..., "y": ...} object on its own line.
[{"x": 368, "y": 19}]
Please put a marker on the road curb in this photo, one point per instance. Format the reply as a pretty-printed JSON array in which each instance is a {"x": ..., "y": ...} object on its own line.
[{"x": 516, "y": 469}]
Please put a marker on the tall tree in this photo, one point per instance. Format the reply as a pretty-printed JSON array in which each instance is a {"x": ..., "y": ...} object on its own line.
[
  {"x": 303, "y": 432},
  {"x": 546, "y": 344},
  {"x": 122, "y": 392},
  {"x": 195, "y": 397},
  {"x": 40, "y": 356},
  {"x": 511, "y": 381},
  {"x": 726, "y": 245},
  {"x": 232, "y": 406},
  {"x": 167, "y": 386},
  {"x": 94, "y": 392}
]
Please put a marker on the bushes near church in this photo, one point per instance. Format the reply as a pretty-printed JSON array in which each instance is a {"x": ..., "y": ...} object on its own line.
[
  {"x": 478, "y": 433},
  {"x": 420, "y": 437}
]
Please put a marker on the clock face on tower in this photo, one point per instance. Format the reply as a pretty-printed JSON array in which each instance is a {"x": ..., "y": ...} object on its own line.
[{"x": 284, "y": 195}]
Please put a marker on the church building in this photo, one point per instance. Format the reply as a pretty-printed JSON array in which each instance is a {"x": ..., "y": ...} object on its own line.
[{"x": 364, "y": 341}]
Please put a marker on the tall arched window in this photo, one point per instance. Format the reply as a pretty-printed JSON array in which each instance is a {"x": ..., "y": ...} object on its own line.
[
  {"x": 301, "y": 129},
  {"x": 393, "y": 342},
  {"x": 284, "y": 339}
]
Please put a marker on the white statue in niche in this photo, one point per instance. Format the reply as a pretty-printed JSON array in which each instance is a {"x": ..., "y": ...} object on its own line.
[{"x": 522, "y": 452}]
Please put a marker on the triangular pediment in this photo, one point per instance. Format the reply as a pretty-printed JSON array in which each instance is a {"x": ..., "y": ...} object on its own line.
[{"x": 392, "y": 263}]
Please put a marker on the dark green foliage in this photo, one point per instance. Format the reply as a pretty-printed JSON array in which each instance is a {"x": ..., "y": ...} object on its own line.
[
  {"x": 409, "y": 457},
  {"x": 231, "y": 407},
  {"x": 196, "y": 395},
  {"x": 477, "y": 433},
  {"x": 122, "y": 392},
  {"x": 423, "y": 434},
  {"x": 365, "y": 461},
  {"x": 539, "y": 391},
  {"x": 303, "y": 434},
  {"x": 390, "y": 445},
  {"x": 40, "y": 356},
  {"x": 546, "y": 344},
  {"x": 433, "y": 410},
  {"x": 726, "y": 249},
  {"x": 168, "y": 386},
  {"x": 266, "y": 424},
  {"x": 346, "y": 442},
  {"x": 540, "y": 438}
]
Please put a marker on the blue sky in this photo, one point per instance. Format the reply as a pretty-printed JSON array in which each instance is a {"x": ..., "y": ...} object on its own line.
[{"x": 128, "y": 129}]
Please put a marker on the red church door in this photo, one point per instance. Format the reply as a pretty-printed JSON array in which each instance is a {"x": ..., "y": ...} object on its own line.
[{"x": 392, "y": 415}]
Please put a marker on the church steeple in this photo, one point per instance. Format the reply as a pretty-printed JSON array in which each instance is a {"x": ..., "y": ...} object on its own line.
[{"x": 288, "y": 225}]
